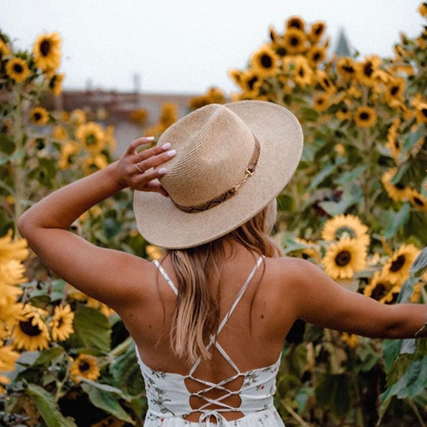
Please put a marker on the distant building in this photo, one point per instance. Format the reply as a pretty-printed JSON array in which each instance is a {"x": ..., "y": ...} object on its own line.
[
  {"x": 118, "y": 107},
  {"x": 342, "y": 47}
]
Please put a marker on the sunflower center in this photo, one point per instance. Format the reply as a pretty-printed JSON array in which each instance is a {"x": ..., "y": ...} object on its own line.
[
  {"x": 364, "y": 116},
  {"x": 343, "y": 258},
  {"x": 295, "y": 24},
  {"x": 424, "y": 111},
  {"x": 45, "y": 47},
  {"x": 394, "y": 90},
  {"x": 348, "y": 69},
  {"x": 251, "y": 82},
  {"x": 368, "y": 70},
  {"x": 326, "y": 82},
  {"x": 29, "y": 329},
  {"x": 90, "y": 139},
  {"x": 418, "y": 201},
  {"x": 281, "y": 51},
  {"x": 398, "y": 263},
  {"x": 84, "y": 366},
  {"x": 399, "y": 186},
  {"x": 37, "y": 116},
  {"x": 18, "y": 68},
  {"x": 294, "y": 41},
  {"x": 344, "y": 109},
  {"x": 318, "y": 30},
  {"x": 316, "y": 56},
  {"x": 379, "y": 291},
  {"x": 266, "y": 61},
  {"x": 301, "y": 72}
]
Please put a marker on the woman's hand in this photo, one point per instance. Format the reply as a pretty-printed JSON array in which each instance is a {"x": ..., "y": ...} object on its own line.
[{"x": 131, "y": 163}]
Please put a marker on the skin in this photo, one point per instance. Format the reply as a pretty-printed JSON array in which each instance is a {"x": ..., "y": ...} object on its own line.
[{"x": 290, "y": 289}]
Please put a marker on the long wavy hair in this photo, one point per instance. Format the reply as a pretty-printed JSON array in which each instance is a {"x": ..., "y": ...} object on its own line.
[{"x": 197, "y": 311}]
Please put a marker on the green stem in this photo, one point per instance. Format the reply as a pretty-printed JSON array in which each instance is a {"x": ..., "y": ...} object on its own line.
[{"x": 19, "y": 160}]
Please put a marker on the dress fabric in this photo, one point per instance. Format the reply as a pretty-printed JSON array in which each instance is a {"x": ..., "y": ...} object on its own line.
[{"x": 169, "y": 399}]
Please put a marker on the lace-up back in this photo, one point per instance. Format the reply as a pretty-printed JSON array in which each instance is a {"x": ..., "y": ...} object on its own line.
[{"x": 169, "y": 397}]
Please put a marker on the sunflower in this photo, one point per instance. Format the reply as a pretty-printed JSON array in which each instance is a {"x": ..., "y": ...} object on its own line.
[
  {"x": 340, "y": 149},
  {"x": 423, "y": 10},
  {"x": 94, "y": 163},
  {"x": 56, "y": 83},
  {"x": 343, "y": 113},
  {"x": 4, "y": 49},
  {"x": 418, "y": 200},
  {"x": 295, "y": 41},
  {"x": 154, "y": 252},
  {"x": 251, "y": 82},
  {"x": 395, "y": 89},
  {"x": 402, "y": 109},
  {"x": 12, "y": 250},
  {"x": 365, "y": 117},
  {"x": 12, "y": 272},
  {"x": 302, "y": 73},
  {"x": 78, "y": 116},
  {"x": 393, "y": 143},
  {"x": 47, "y": 52},
  {"x": 345, "y": 226},
  {"x": 31, "y": 333},
  {"x": 416, "y": 293},
  {"x": 236, "y": 76},
  {"x": 91, "y": 136},
  {"x": 316, "y": 55},
  {"x": 354, "y": 92},
  {"x": 295, "y": 22},
  {"x": 325, "y": 82},
  {"x": 109, "y": 138},
  {"x": 8, "y": 358},
  {"x": 321, "y": 102},
  {"x": 274, "y": 37},
  {"x": 366, "y": 72},
  {"x": 382, "y": 288},
  {"x": 265, "y": 61},
  {"x": 351, "y": 339},
  {"x": 62, "y": 323},
  {"x": 398, "y": 265},
  {"x": 316, "y": 31},
  {"x": 17, "y": 69},
  {"x": 85, "y": 366},
  {"x": 309, "y": 252},
  {"x": 344, "y": 258},
  {"x": 69, "y": 152},
  {"x": 398, "y": 192},
  {"x": 39, "y": 116},
  {"x": 59, "y": 133},
  {"x": 421, "y": 112}
]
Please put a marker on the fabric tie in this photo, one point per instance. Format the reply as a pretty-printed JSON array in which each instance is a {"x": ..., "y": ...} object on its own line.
[{"x": 206, "y": 419}]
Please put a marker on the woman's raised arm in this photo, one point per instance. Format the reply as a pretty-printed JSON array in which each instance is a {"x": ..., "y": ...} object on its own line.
[
  {"x": 322, "y": 301},
  {"x": 104, "y": 274}
]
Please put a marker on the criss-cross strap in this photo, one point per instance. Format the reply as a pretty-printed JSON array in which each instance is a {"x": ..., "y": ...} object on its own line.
[{"x": 207, "y": 413}]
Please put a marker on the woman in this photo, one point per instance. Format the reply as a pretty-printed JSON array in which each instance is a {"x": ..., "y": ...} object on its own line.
[{"x": 210, "y": 318}]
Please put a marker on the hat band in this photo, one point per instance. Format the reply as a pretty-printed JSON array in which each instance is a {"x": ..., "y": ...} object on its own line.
[{"x": 250, "y": 169}]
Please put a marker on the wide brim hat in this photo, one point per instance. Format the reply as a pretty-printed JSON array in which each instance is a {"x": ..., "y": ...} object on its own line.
[{"x": 232, "y": 160}]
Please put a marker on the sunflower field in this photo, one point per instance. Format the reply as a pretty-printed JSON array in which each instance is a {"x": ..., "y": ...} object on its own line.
[{"x": 356, "y": 207}]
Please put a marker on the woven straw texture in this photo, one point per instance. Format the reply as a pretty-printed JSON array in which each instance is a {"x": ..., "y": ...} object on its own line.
[{"x": 214, "y": 145}]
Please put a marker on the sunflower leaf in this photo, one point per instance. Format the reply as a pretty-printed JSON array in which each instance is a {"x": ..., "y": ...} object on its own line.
[
  {"x": 104, "y": 400},
  {"x": 47, "y": 407},
  {"x": 420, "y": 264},
  {"x": 406, "y": 290},
  {"x": 396, "y": 220}
]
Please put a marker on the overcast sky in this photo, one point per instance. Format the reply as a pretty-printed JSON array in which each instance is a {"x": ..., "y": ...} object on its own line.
[{"x": 186, "y": 46}]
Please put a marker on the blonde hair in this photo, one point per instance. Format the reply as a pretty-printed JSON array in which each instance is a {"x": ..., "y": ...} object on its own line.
[{"x": 197, "y": 311}]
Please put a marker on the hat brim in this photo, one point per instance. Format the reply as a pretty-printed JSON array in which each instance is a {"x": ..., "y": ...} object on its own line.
[{"x": 281, "y": 139}]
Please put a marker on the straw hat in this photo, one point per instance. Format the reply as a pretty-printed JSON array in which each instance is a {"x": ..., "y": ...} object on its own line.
[{"x": 232, "y": 160}]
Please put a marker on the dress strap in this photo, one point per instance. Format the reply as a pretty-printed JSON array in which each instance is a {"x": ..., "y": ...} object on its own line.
[{"x": 165, "y": 275}]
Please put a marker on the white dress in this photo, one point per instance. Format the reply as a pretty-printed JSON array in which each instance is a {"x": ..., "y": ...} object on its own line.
[{"x": 169, "y": 398}]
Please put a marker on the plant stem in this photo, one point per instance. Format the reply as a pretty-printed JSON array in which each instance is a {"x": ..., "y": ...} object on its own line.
[
  {"x": 417, "y": 413},
  {"x": 19, "y": 160}
]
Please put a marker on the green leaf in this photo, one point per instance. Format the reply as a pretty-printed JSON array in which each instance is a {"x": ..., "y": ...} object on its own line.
[
  {"x": 47, "y": 407},
  {"x": 351, "y": 176},
  {"x": 47, "y": 356},
  {"x": 397, "y": 220},
  {"x": 341, "y": 403},
  {"x": 413, "y": 138},
  {"x": 420, "y": 264},
  {"x": 407, "y": 289},
  {"x": 7, "y": 145},
  {"x": 309, "y": 114},
  {"x": 327, "y": 170},
  {"x": 105, "y": 400},
  {"x": 92, "y": 328}
]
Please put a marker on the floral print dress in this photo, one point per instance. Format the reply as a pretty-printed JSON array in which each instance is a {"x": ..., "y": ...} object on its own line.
[{"x": 169, "y": 398}]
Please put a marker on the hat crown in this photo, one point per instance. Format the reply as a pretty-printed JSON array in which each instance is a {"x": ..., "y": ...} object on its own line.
[{"x": 214, "y": 147}]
